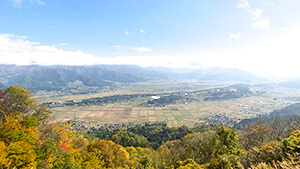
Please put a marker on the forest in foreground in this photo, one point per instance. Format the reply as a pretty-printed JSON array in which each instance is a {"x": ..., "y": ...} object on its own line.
[{"x": 27, "y": 140}]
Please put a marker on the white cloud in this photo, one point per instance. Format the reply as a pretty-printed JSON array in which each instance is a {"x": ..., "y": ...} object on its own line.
[
  {"x": 18, "y": 3},
  {"x": 138, "y": 49},
  {"x": 262, "y": 23},
  {"x": 127, "y": 33},
  {"x": 39, "y": 2},
  {"x": 243, "y": 4},
  {"x": 17, "y": 50},
  {"x": 141, "y": 49},
  {"x": 142, "y": 31},
  {"x": 235, "y": 36},
  {"x": 254, "y": 12},
  {"x": 64, "y": 44},
  {"x": 119, "y": 47}
]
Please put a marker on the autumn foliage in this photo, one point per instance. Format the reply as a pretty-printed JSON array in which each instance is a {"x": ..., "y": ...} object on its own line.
[{"x": 28, "y": 141}]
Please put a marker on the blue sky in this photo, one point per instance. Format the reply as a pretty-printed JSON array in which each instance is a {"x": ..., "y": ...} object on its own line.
[{"x": 259, "y": 36}]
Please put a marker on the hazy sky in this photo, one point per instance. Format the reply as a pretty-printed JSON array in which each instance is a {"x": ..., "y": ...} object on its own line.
[{"x": 260, "y": 36}]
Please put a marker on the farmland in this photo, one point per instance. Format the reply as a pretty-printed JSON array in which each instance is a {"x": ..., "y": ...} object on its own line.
[{"x": 207, "y": 103}]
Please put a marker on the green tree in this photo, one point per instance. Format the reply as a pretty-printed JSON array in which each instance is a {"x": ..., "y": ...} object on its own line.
[
  {"x": 225, "y": 161},
  {"x": 187, "y": 164},
  {"x": 267, "y": 153},
  {"x": 227, "y": 152},
  {"x": 18, "y": 102},
  {"x": 292, "y": 145},
  {"x": 200, "y": 147},
  {"x": 126, "y": 139},
  {"x": 170, "y": 152},
  {"x": 256, "y": 134},
  {"x": 227, "y": 141}
]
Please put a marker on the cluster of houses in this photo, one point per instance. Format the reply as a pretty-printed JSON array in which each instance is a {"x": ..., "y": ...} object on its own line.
[
  {"x": 255, "y": 111},
  {"x": 250, "y": 110},
  {"x": 88, "y": 125},
  {"x": 53, "y": 104},
  {"x": 220, "y": 119},
  {"x": 79, "y": 125}
]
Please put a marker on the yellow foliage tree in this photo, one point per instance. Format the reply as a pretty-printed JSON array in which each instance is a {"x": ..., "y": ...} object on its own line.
[
  {"x": 114, "y": 155},
  {"x": 142, "y": 157},
  {"x": 93, "y": 159},
  {"x": 11, "y": 130},
  {"x": 3, "y": 154},
  {"x": 20, "y": 154}
]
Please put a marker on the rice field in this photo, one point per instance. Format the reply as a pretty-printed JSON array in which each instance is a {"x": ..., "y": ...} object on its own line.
[{"x": 173, "y": 115}]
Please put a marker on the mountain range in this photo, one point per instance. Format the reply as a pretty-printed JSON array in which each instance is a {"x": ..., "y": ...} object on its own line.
[{"x": 49, "y": 78}]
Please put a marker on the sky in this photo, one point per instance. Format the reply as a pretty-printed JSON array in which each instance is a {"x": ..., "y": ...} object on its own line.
[{"x": 259, "y": 36}]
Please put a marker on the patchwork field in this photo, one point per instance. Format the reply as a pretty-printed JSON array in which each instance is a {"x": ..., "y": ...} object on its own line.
[
  {"x": 263, "y": 100},
  {"x": 135, "y": 88},
  {"x": 173, "y": 115}
]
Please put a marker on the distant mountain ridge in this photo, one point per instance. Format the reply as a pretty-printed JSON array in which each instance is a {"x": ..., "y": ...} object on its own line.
[
  {"x": 224, "y": 74},
  {"x": 49, "y": 78},
  {"x": 291, "y": 84},
  {"x": 57, "y": 77}
]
